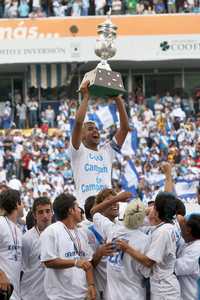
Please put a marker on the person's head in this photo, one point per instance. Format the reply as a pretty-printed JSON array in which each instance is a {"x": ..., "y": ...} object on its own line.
[
  {"x": 42, "y": 212},
  {"x": 134, "y": 214},
  {"x": 113, "y": 211},
  {"x": 165, "y": 207},
  {"x": 10, "y": 202},
  {"x": 66, "y": 206},
  {"x": 90, "y": 135},
  {"x": 89, "y": 203},
  {"x": 190, "y": 228},
  {"x": 180, "y": 208},
  {"x": 30, "y": 220}
]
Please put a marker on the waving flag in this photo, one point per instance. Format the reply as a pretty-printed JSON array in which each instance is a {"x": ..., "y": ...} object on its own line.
[
  {"x": 130, "y": 144},
  {"x": 130, "y": 178},
  {"x": 186, "y": 189}
]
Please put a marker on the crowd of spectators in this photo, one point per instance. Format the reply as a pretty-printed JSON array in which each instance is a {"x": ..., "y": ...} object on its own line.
[
  {"x": 62, "y": 8},
  {"x": 38, "y": 164}
]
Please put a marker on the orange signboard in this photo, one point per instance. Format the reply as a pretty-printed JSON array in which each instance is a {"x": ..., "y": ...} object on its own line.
[{"x": 127, "y": 25}]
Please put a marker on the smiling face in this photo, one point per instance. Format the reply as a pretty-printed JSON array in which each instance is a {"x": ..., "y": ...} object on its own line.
[{"x": 90, "y": 135}]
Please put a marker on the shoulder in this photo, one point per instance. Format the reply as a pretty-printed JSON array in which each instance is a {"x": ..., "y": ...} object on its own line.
[
  {"x": 52, "y": 229},
  {"x": 29, "y": 235}
]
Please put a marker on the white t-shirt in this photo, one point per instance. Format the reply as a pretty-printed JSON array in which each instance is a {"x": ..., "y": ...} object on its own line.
[
  {"x": 32, "y": 284},
  {"x": 124, "y": 274},
  {"x": 11, "y": 253},
  {"x": 162, "y": 250},
  {"x": 96, "y": 239},
  {"x": 187, "y": 269},
  {"x": 69, "y": 283},
  {"x": 91, "y": 170}
]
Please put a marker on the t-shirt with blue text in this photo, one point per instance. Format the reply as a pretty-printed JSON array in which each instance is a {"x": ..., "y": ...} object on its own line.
[{"x": 91, "y": 170}]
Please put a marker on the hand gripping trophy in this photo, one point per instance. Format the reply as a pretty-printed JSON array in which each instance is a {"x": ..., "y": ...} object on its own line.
[{"x": 104, "y": 81}]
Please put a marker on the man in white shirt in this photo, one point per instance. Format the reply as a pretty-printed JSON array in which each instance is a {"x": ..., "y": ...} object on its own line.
[
  {"x": 32, "y": 283},
  {"x": 66, "y": 254},
  {"x": 121, "y": 267},
  {"x": 10, "y": 242},
  {"x": 92, "y": 164},
  {"x": 187, "y": 262}
]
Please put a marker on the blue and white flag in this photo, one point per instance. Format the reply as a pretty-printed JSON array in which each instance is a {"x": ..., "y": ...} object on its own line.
[
  {"x": 130, "y": 178},
  {"x": 130, "y": 144},
  {"x": 186, "y": 189},
  {"x": 105, "y": 116}
]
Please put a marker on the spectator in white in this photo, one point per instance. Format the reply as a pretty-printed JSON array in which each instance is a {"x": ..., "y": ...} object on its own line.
[
  {"x": 85, "y": 7},
  {"x": 49, "y": 116},
  {"x": 116, "y": 7},
  {"x": 161, "y": 255},
  {"x": 15, "y": 183},
  {"x": 13, "y": 9},
  {"x": 11, "y": 242},
  {"x": 187, "y": 262},
  {"x": 32, "y": 283},
  {"x": 76, "y": 8},
  {"x": 65, "y": 253},
  {"x": 33, "y": 109},
  {"x": 121, "y": 267},
  {"x": 148, "y": 114},
  {"x": 92, "y": 165},
  {"x": 21, "y": 112},
  {"x": 59, "y": 8},
  {"x": 99, "y": 7},
  {"x": 158, "y": 106},
  {"x": 7, "y": 115}
]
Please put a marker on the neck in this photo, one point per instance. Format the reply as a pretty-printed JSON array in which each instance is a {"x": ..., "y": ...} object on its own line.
[
  {"x": 13, "y": 216},
  {"x": 69, "y": 223},
  {"x": 93, "y": 147}
]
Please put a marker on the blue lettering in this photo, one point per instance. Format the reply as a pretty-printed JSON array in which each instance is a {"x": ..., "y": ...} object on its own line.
[
  {"x": 95, "y": 168},
  {"x": 96, "y": 157}
]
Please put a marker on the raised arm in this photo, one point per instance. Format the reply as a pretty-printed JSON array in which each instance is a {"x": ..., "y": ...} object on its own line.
[
  {"x": 80, "y": 116},
  {"x": 169, "y": 184},
  {"x": 122, "y": 197},
  {"x": 124, "y": 127}
]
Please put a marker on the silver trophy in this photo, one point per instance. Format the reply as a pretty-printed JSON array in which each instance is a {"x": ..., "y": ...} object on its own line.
[{"x": 104, "y": 81}]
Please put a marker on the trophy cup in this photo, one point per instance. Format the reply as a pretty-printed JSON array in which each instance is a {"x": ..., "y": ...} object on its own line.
[{"x": 104, "y": 81}]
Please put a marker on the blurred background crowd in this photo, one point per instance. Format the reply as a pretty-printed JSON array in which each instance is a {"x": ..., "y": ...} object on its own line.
[
  {"x": 37, "y": 160},
  {"x": 61, "y": 8}
]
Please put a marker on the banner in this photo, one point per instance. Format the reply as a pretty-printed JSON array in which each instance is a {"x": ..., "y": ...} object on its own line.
[{"x": 140, "y": 38}]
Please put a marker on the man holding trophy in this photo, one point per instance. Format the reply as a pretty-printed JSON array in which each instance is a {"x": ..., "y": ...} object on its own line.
[{"x": 92, "y": 164}]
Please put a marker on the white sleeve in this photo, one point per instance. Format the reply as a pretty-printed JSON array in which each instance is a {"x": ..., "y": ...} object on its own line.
[
  {"x": 187, "y": 265},
  {"x": 103, "y": 224},
  {"x": 49, "y": 244},
  {"x": 75, "y": 153},
  {"x": 159, "y": 246}
]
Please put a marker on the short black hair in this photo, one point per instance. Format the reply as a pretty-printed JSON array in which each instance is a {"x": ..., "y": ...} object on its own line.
[
  {"x": 165, "y": 204},
  {"x": 30, "y": 221},
  {"x": 62, "y": 204},
  {"x": 40, "y": 201},
  {"x": 180, "y": 207},
  {"x": 89, "y": 203},
  {"x": 194, "y": 223},
  {"x": 9, "y": 199}
]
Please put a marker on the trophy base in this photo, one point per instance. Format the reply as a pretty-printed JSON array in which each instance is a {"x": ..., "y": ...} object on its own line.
[{"x": 104, "y": 83}]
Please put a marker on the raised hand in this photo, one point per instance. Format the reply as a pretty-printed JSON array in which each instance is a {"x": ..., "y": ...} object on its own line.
[
  {"x": 124, "y": 196},
  {"x": 84, "y": 89}
]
